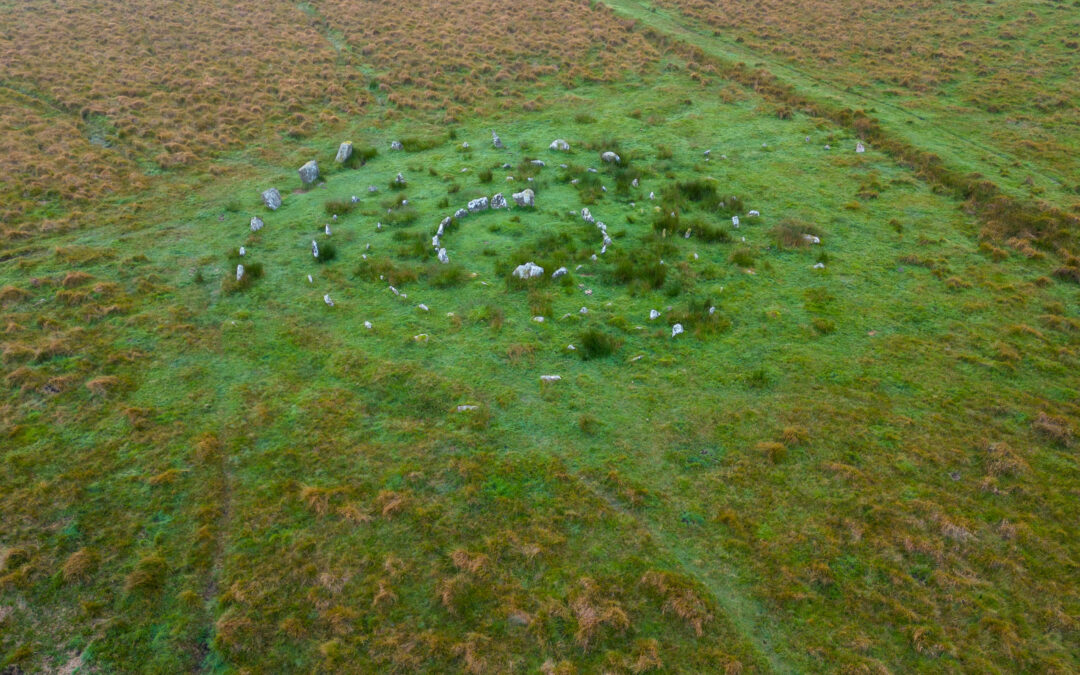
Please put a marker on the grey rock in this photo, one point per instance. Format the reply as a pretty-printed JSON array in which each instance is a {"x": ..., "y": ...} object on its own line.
[
  {"x": 344, "y": 152},
  {"x": 524, "y": 198},
  {"x": 478, "y": 204},
  {"x": 396, "y": 145},
  {"x": 256, "y": 224},
  {"x": 496, "y": 141},
  {"x": 610, "y": 157},
  {"x": 559, "y": 144},
  {"x": 558, "y": 273},
  {"x": 498, "y": 201},
  {"x": 528, "y": 271},
  {"x": 239, "y": 272},
  {"x": 272, "y": 199},
  {"x": 443, "y": 258},
  {"x": 309, "y": 173},
  {"x": 460, "y": 213}
]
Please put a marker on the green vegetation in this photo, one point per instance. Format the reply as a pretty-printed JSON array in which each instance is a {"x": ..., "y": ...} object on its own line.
[{"x": 858, "y": 455}]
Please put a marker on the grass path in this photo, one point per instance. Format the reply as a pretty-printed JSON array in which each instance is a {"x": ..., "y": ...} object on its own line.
[
  {"x": 928, "y": 132},
  {"x": 747, "y": 615}
]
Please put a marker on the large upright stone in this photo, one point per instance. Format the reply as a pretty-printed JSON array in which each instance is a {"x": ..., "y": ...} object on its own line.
[
  {"x": 272, "y": 199},
  {"x": 344, "y": 152},
  {"x": 498, "y": 201},
  {"x": 496, "y": 141},
  {"x": 309, "y": 173}
]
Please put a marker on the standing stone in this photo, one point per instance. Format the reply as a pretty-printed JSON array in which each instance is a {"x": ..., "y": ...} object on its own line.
[
  {"x": 460, "y": 213},
  {"x": 443, "y": 258},
  {"x": 480, "y": 204},
  {"x": 256, "y": 224},
  {"x": 327, "y": 300},
  {"x": 243, "y": 252},
  {"x": 677, "y": 329},
  {"x": 498, "y": 201},
  {"x": 272, "y": 199},
  {"x": 239, "y": 272},
  {"x": 309, "y": 173},
  {"x": 860, "y": 148},
  {"x": 735, "y": 221},
  {"x": 344, "y": 152},
  {"x": 653, "y": 315},
  {"x": 525, "y": 198},
  {"x": 314, "y": 248},
  {"x": 559, "y": 144},
  {"x": 496, "y": 141}
]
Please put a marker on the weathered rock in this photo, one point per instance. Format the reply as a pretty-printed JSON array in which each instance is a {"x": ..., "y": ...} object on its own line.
[
  {"x": 634, "y": 182},
  {"x": 811, "y": 239},
  {"x": 538, "y": 162},
  {"x": 558, "y": 273},
  {"x": 243, "y": 252},
  {"x": 256, "y": 224},
  {"x": 559, "y": 144},
  {"x": 753, "y": 214},
  {"x": 423, "y": 308},
  {"x": 344, "y": 152},
  {"x": 819, "y": 266},
  {"x": 538, "y": 319},
  {"x": 396, "y": 145},
  {"x": 272, "y": 199},
  {"x": 314, "y": 249},
  {"x": 479, "y": 204},
  {"x": 860, "y": 148},
  {"x": 239, "y": 272},
  {"x": 498, "y": 202},
  {"x": 467, "y": 408},
  {"x": 326, "y": 229},
  {"x": 677, "y": 329},
  {"x": 653, "y": 314},
  {"x": 435, "y": 242},
  {"x": 443, "y": 258},
  {"x": 327, "y": 300},
  {"x": 399, "y": 179},
  {"x": 465, "y": 145},
  {"x": 528, "y": 271},
  {"x": 460, "y": 213},
  {"x": 372, "y": 188},
  {"x": 309, "y": 173},
  {"x": 587, "y": 216},
  {"x": 610, "y": 157},
  {"x": 367, "y": 324},
  {"x": 496, "y": 141},
  {"x": 550, "y": 378},
  {"x": 354, "y": 199},
  {"x": 735, "y": 221},
  {"x": 507, "y": 165}
]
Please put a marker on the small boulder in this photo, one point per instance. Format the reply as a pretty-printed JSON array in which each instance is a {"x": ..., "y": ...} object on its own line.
[
  {"x": 479, "y": 204},
  {"x": 560, "y": 145},
  {"x": 396, "y": 145},
  {"x": 460, "y": 213},
  {"x": 753, "y": 214},
  {"x": 239, "y": 272},
  {"x": 860, "y": 148},
  {"x": 272, "y": 199},
  {"x": 610, "y": 157},
  {"x": 256, "y": 224},
  {"x": 344, "y": 152},
  {"x": 314, "y": 248},
  {"x": 558, "y": 273},
  {"x": 587, "y": 216},
  {"x": 653, "y": 314},
  {"x": 399, "y": 179},
  {"x": 528, "y": 271},
  {"x": 498, "y": 202},
  {"x": 443, "y": 258},
  {"x": 496, "y": 141},
  {"x": 327, "y": 300},
  {"x": 538, "y": 162},
  {"x": 735, "y": 221},
  {"x": 677, "y": 329},
  {"x": 550, "y": 378},
  {"x": 309, "y": 173}
]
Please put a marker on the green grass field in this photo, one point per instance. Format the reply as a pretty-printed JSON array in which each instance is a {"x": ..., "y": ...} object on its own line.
[{"x": 857, "y": 457}]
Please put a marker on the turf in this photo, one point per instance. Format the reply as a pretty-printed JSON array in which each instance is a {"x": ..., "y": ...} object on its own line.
[{"x": 858, "y": 456}]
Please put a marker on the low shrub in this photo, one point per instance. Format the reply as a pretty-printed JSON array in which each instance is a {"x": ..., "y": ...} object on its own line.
[
  {"x": 338, "y": 207},
  {"x": 596, "y": 344}
]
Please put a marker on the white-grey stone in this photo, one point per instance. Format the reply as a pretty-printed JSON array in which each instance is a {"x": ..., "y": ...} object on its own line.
[
  {"x": 652, "y": 195},
  {"x": 256, "y": 224},
  {"x": 753, "y": 214},
  {"x": 538, "y": 319},
  {"x": 634, "y": 182},
  {"x": 272, "y": 199},
  {"x": 465, "y": 145},
  {"x": 478, "y": 204},
  {"x": 396, "y": 145},
  {"x": 242, "y": 252},
  {"x": 592, "y": 170},
  {"x": 443, "y": 257},
  {"x": 507, "y": 165},
  {"x": 460, "y": 213},
  {"x": 399, "y": 179},
  {"x": 423, "y": 307},
  {"x": 860, "y": 148},
  {"x": 498, "y": 201},
  {"x": 583, "y": 310},
  {"x": 354, "y": 199},
  {"x": 326, "y": 229},
  {"x": 819, "y": 266},
  {"x": 435, "y": 241},
  {"x": 466, "y": 408},
  {"x": 327, "y": 300},
  {"x": 587, "y": 216},
  {"x": 239, "y": 272},
  {"x": 344, "y": 152},
  {"x": 610, "y": 157},
  {"x": 367, "y": 324},
  {"x": 558, "y": 273},
  {"x": 735, "y": 221},
  {"x": 314, "y": 249},
  {"x": 677, "y": 329},
  {"x": 559, "y": 144},
  {"x": 811, "y": 239},
  {"x": 528, "y": 271},
  {"x": 653, "y": 314},
  {"x": 372, "y": 188},
  {"x": 538, "y": 162},
  {"x": 309, "y": 173},
  {"x": 496, "y": 141},
  {"x": 309, "y": 279},
  {"x": 550, "y": 378}
]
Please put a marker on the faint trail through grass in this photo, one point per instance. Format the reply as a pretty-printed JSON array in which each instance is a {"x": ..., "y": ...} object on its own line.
[
  {"x": 747, "y": 615},
  {"x": 895, "y": 117}
]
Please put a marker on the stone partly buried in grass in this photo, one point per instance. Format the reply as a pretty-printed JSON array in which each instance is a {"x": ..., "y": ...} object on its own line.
[
  {"x": 309, "y": 173},
  {"x": 528, "y": 270},
  {"x": 272, "y": 199},
  {"x": 256, "y": 224},
  {"x": 479, "y": 204},
  {"x": 525, "y": 198}
]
